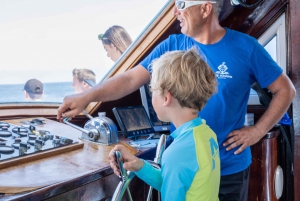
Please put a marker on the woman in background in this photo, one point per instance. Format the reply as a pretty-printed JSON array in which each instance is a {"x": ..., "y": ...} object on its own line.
[{"x": 115, "y": 41}]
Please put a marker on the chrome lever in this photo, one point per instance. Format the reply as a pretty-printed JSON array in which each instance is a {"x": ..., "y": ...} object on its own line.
[
  {"x": 125, "y": 177},
  {"x": 161, "y": 146},
  {"x": 66, "y": 121},
  {"x": 92, "y": 132},
  {"x": 88, "y": 115},
  {"x": 123, "y": 173}
]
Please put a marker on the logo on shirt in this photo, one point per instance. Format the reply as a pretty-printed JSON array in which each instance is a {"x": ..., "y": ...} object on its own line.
[
  {"x": 222, "y": 73},
  {"x": 214, "y": 149},
  {"x": 150, "y": 68}
]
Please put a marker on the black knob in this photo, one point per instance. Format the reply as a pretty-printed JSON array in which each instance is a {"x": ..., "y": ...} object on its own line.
[
  {"x": 32, "y": 128},
  {"x": 38, "y": 145},
  {"x": 18, "y": 140},
  {"x": 91, "y": 134},
  {"x": 32, "y": 137},
  {"x": 51, "y": 137},
  {"x": 23, "y": 148},
  {"x": 56, "y": 141}
]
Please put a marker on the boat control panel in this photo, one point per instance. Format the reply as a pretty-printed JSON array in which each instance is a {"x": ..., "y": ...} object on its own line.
[{"x": 18, "y": 141}]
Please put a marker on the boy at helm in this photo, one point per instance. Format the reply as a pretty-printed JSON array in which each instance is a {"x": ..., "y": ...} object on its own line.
[{"x": 181, "y": 84}]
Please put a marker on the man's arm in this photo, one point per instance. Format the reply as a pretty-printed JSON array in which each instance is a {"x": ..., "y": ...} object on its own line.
[
  {"x": 111, "y": 89},
  {"x": 284, "y": 93}
]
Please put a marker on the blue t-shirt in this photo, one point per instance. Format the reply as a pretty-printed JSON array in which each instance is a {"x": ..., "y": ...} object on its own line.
[{"x": 238, "y": 61}]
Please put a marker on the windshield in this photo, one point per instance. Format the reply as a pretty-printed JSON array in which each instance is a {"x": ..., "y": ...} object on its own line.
[{"x": 50, "y": 49}]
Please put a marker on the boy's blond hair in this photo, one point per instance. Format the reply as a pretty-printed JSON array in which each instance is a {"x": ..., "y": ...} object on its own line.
[{"x": 186, "y": 76}]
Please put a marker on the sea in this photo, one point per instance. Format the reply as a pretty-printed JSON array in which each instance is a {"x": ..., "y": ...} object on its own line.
[{"x": 53, "y": 92}]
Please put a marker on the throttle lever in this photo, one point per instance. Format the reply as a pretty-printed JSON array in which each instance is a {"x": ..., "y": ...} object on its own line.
[
  {"x": 123, "y": 173},
  {"x": 91, "y": 133}
]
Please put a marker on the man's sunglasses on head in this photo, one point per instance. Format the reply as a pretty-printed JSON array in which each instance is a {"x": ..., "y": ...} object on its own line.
[{"x": 182, "y": 5}]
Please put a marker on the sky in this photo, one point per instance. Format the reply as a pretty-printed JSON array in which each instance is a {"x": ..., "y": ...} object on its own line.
[{"x": 47, "y": 39}]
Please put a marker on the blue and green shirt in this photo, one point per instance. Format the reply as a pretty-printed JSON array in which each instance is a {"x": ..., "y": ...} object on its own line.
[{"x": 190, "y": 168}]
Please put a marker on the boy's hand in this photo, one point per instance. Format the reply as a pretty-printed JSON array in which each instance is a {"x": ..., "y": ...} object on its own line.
[{"x": 130, "y": 162}]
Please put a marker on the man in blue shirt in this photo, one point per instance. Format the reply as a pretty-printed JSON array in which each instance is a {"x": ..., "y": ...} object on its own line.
[{"x": 238, "y": 61}]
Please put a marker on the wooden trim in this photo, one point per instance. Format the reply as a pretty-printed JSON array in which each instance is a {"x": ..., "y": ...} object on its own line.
[
  {"x": 41, "y": 155},
  {"x": 275, "y": 12},
  {"x": 28, "y": 105},
  {"x": 29, "y": 109},
  {"x": 26, "y": 110}
]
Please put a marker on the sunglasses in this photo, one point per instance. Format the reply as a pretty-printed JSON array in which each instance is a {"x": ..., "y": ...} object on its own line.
[
  {"x": 182, "y": 5},
  {"x": 101, "y": 37}
]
